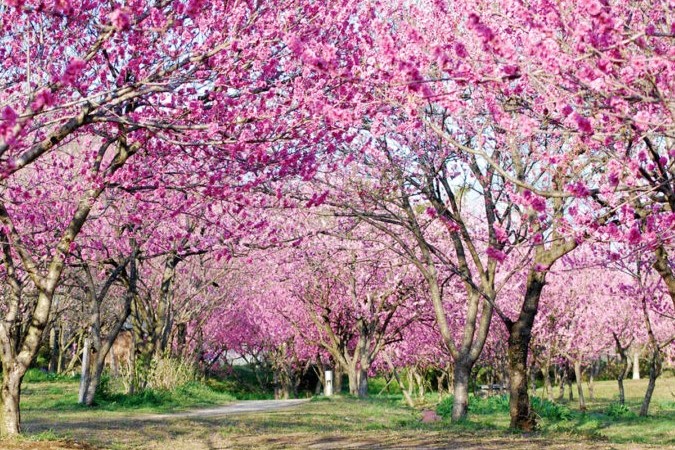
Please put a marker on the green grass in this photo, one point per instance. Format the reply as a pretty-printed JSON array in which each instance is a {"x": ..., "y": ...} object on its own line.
[
  {"x": 191, "y": 395},
  {"x": 604, "y": 419},
  {"x": 61, "y": 395},
  {"x": 377, "y": 419}
]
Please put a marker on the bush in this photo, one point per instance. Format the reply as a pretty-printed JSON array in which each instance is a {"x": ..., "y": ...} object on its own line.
[
  {"x": 444, "y": 408},
  {"x": 550, "y": 410},
  {"x": 477, "y": 405},
  {"x": 38, "y": 375},
  {"x": 487, "y": 405},
  {"x": 617, "y": 410},
  {"x": 168, "y": 374},
  {"x": 500, "y": 404}
]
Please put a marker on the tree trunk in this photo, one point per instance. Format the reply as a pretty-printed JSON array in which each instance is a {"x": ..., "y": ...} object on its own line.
[
  {"x": 591, "y": 376},
  {"x": 580, "y": 387},
  {"x": 362, "y": 382},
  {"x": 61, "y": 344},
  {"x": 655, "y": 362},
  {"x": 545, "y": 371},
  {"x": 420, "y": 384},
  {"x": 562, "y": 375},
  {"x": 53, "y": 349},
  {"x": 11, "y": 395},
  {"x": 533, "y": 378},
  {"x": 406, "y": 396},
  {"x": 440, "y": 383},
  {"x": 460, "y": 404},
  {"x": 94, "y": 382},
  {"x": 654, "y": 372},
  {"x": 519, "y": 402},
  {"x": 520, "y": 334},
  {"x": 85, "y": 378},
  {"x": 353, "y": 380},
  {"x": 623, "y": 369},
  {"x": 337, "y": 378}
]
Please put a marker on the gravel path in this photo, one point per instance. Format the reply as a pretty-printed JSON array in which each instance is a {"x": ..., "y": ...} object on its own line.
[{"x": 234, "y": 408}]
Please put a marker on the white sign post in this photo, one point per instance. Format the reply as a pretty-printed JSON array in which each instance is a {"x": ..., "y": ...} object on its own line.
[{"x": 328, "y": 387}]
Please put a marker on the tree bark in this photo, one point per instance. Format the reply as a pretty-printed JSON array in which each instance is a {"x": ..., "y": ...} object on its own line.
[
  {"x": 406, "y": 396},
  {"x": 54, "y": 353},
  {"x": 562, "y": 375},
  {"x": 591, "y": 376},
  {"x": 545, "y": 371},
  {"x": 623, "y": 368},
  {"x": 362, "y": 382},
  {"x": 460, "y": 404},
  {"x": 11, "y": 395},
  {"x": 654, "y": 372},
  {"x": 357, "y": 377},
  {"x": 580, "y": 386},
  {"x": 85, "y": 377},
  {"x": 338, "y": 373},
  {"x": 520, "y": 334},
  {"x": 18, "y": 351},
  {"x": 655, "y": 362}
]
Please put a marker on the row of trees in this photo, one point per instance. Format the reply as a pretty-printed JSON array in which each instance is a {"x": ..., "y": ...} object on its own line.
[{"x": 378, "y": 181}]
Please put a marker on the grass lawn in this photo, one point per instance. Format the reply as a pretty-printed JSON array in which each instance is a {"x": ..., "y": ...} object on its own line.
[{"x": 53, "y": 421}]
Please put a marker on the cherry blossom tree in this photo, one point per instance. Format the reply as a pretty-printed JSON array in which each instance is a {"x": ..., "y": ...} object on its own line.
[{"x": 187, "y": 93}]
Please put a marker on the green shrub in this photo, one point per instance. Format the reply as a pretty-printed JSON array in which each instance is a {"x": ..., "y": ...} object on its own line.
[
  {"x": 500, "y": 404},
  {"x": 488, "y": 405},
  {"x": 550, "y": 410},
  {"x": 477, "y": 405},
  {"x": 444, "y": 408},
  {"x": 617, "y": 410}
]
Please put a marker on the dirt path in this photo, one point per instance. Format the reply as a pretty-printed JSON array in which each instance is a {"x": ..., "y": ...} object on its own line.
[{"x": 248, "y": 406}]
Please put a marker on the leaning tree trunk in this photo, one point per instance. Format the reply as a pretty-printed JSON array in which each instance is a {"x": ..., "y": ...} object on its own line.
[
  {"x": 655, "y": 363},
  {"x": 406, "y": 395},
  {"x": 654, "y": 372},
  {"x": 520, "y": 334}
]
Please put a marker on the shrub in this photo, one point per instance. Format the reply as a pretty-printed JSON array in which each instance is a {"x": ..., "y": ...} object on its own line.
[
  {"x": 487, "y": 405},
  {"x": 169, "y": 373},
  {"x": 477, "y": 405},
  {"x": 444, "y": 408},
  {"x": 550, "y": 410},
  {"x": 617, "y": 410},
  {"x": 500, "y": 404}
]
